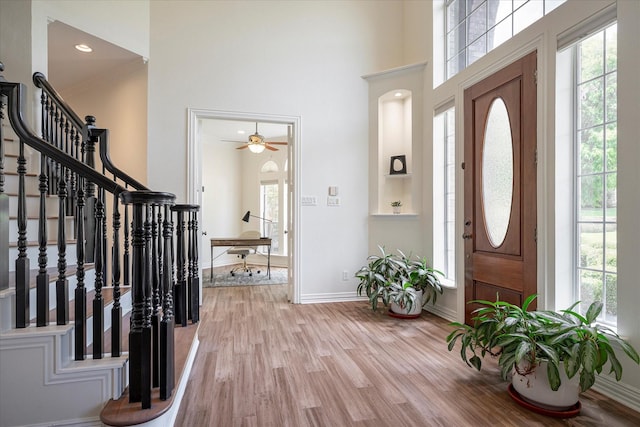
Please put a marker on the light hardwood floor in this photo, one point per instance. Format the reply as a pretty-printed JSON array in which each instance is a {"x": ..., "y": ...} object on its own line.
[{"x": 265, "y": 362}]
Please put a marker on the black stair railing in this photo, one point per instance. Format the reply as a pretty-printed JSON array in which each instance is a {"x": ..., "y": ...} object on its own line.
[{"x": 145, "y": 251}]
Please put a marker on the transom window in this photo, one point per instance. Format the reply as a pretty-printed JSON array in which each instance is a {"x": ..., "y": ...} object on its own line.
[{"x": 475, "y": 27}]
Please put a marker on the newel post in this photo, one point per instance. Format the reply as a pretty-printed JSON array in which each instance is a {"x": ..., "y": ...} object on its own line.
[{"x": 140, "y": 335}]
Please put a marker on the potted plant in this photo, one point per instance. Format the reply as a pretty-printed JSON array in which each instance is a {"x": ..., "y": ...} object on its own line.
[
  {"x": 397, "y": 206},
  {"x": 552, "y": 356},
  {"x": 403, "y": 283}
]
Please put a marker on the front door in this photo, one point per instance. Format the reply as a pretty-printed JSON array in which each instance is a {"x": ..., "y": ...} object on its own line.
[{"x": 500, "y": 185}]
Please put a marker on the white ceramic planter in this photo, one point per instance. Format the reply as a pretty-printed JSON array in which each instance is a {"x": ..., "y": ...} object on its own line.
[
  {"x": 535, "y": 389},
  {"x": 415, "y": 310},
  {"x": 397, "y": 209}
]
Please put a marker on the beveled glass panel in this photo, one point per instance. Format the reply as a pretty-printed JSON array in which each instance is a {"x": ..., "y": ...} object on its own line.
[{"x": 497, "y": 173}]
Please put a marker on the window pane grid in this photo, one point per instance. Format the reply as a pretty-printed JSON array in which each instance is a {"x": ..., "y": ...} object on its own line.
[
  {"x": 449, "y": 194},
  {"x": 475, "y": 27},
  {"x": 596, "y": 172}
]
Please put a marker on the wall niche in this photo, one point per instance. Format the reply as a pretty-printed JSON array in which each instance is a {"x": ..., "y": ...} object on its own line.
[{"x": 395, "y": 146}]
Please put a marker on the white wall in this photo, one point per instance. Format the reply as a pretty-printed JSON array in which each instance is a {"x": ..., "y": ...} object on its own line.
[
  {"x": 118, "y": 100},
  {"x": 289, "y": 58}
]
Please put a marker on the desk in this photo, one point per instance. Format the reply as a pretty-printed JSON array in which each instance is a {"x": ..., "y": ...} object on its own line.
[{"x": 231, "y": 241}]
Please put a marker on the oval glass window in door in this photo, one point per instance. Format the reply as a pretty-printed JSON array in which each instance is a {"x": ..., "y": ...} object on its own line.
[{"x": 497, "y": 173}]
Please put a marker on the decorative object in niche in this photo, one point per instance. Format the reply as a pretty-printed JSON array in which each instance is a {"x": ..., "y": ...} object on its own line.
[
  {"x": 397, "y": 206},
  {"x": 398, "y": 165}
]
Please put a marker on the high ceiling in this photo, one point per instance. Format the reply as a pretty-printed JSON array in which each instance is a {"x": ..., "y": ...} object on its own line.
[{"x": 69, "y": 67}]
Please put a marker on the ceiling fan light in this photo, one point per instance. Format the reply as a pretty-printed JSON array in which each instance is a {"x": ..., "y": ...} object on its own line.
[{"x": 256, "y": 148}]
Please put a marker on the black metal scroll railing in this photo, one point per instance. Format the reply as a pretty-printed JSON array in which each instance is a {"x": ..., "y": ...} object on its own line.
[{"x": 142, "y": 252}]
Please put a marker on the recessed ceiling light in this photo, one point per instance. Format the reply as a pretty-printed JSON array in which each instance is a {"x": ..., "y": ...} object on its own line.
[
  {"x": 397, "y": 94},
  {"x": 84, "y": 48}
]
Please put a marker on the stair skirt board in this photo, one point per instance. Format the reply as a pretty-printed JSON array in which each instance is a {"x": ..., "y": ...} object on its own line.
[{"x": 47, "y": 385}]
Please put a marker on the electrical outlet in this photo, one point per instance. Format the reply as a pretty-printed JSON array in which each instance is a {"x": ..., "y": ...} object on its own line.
[{"x": 345, "y": 275}]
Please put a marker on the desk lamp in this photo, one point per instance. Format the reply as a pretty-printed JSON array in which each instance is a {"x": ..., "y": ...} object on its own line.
[{"x": 246, "y": 217}]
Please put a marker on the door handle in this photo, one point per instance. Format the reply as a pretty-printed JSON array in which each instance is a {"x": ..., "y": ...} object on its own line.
[{"x": 466, "y": 236}]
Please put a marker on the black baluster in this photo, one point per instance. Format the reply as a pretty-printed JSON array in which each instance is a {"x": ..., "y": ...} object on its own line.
[
  {"x": 4, "y": 206},
  {"x": 98, "y": 301},
  {"x": 126, "y": 261},
  {"x": 90, "y": 205},
  {"x": 80, "y": 291},
  {"x": 116, "y": 309},
  {"x": 167, "y": 352},
  {"x": 155, "y": 301},
  {"x": 42, "y": 281},
  {"x": 22, "y": 262},
  {"x": 62, "y": 284},
  {"x": 137, "y": 386},
  {"x": 180, "y": 290},
  {"x": 194, "y": 286}
]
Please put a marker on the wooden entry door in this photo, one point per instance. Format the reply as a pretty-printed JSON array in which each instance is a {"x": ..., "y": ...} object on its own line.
[{"x": 500, "y": 185}]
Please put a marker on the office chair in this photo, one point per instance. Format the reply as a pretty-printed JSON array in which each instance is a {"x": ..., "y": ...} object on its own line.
[{"x": 243, "y": 252}]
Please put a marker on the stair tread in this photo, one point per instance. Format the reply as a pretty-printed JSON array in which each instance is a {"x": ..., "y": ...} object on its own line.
[
  {"x": 14, "y": 217},
  {"x": 107, "y": 298},
  {"x": 31, "y": 243},
  {"x": 29, "y": 174},
  {"x": 52, "y": 271}
]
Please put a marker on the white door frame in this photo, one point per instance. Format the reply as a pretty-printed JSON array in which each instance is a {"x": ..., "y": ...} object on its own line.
[{"x": 194, "y": 174}]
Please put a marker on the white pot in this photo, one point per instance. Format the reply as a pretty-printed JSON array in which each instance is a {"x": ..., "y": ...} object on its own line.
[
  {"x": 535, "y": 388},
  {"x": 397, "y": 209},
  {"x": 416, "y": 309}
]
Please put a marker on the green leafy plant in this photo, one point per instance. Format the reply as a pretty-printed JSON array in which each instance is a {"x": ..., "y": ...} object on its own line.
[
  {"x": 396, "y": 204},
  {"x": 396, "y": 278},
  {"x": 521, "y": 339}
]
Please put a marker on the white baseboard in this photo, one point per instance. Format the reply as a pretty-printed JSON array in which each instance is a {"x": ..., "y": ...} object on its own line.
[
  {"x": 331, "y": 297},
  {"x": 444, "y": 312},
  {"x": 618, "y": 391},
  {"x": 81, "y": 422}
]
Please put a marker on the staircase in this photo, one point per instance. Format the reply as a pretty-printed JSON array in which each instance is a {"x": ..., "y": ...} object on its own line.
[{"x": 87, "y": 317}]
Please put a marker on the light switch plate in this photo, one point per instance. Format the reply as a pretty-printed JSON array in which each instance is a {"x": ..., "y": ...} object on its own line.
[{"x": 309, "y": 201}]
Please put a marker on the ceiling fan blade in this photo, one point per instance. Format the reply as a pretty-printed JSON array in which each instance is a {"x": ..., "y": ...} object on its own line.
[
  {"x": 277, "y": 142},
  {"x": 243, "y": 147},
  {"x": 231, "y": 140},
  {"x": 268, "y": 147}
]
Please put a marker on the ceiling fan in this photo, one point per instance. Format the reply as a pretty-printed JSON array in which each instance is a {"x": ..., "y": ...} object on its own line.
[{"x": 257, "y": 144}]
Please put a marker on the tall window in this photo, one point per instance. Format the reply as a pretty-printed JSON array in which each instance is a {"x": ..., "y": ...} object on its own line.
[
  {"x": 269, "y": 208},
  {"x": 475, "y": 27},
  {"x": 445, "y": 197},
  {"x": 596, "y": 170}
]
